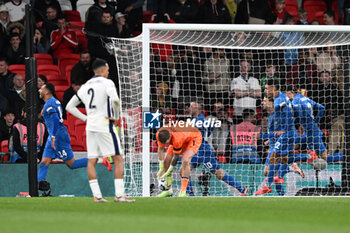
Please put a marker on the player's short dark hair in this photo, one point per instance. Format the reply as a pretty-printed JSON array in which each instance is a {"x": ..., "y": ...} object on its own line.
[
  {"x": 247, "y": 112},
  {"x": 163, "y": 135},
  {"x": 98, "y": 63},
  {"x": 273, "y": 82},
  {"x": 51, "y": 88},
  {"x": 291, "y": 88}
]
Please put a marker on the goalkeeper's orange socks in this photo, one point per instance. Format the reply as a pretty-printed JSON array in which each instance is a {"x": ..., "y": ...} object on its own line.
[{"x": 184, "y": 183}]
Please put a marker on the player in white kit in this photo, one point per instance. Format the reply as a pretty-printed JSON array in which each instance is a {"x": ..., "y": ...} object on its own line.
[{"x": 102, "y": 107}]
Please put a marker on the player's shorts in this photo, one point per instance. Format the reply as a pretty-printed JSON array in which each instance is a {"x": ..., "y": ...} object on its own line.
[
  {"x": 285, "y": 144},
  {"x": 205, "y": 156},
  {"x": 100, "y": 144},
  {"x": 314, "y": 142},
  {"x": 63, "y": 149},
  {"x": 191, "y": 145}
]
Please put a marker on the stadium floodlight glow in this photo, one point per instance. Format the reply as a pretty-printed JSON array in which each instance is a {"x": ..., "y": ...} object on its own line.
[{"x": 169, "y": 64}]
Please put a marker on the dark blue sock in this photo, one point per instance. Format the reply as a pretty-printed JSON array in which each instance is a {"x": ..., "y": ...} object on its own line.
[
  {"x": 283, "y": 169},
  {"x": 189, "y": 188},
  {"x": 231, "y": 181},
  {"x": 271, "y": 174},
  {"x": 279, "y": 189},
  {"x": 42, "y": 172},
  {"x": 336, "y": 157},
  {"x": 78, "y": 163},
  {"x": 298, "y": 158}
]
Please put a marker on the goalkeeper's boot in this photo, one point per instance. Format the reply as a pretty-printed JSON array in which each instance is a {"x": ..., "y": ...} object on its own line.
[
  {"x": 99, "y": 199},
  {"x": 106, "y": 162},
  {"x": 278, "y": 180},
  {"x": 123, "y": 199},
  {"x": 296, "y": 169},
  {"x": 166, "y": 193},
  {"x": 245, "y": 192},
  {"x": 182, "y": 194},
  {"x": 263, "y": 190}
]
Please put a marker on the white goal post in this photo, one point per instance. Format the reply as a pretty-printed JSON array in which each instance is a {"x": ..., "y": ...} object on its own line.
[{"x": 136, "y": 51}]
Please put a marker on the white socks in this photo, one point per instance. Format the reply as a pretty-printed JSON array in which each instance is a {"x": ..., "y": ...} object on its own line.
[
  {"x": 95, "y": 188},
  {"x": 119, "y": 187}
]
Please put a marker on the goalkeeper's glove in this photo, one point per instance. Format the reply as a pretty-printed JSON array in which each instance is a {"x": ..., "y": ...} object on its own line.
[
  {"x": 169, "y": 172},
  {"x": 161, "y": 169}
]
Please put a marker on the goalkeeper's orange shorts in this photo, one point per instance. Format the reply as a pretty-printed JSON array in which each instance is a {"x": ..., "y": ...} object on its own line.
[{"x": 193, "y": 145}]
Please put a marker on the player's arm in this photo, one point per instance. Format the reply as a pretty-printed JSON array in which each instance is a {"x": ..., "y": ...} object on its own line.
[
  {"x": 72, "y": 108},
  {"x": 113, "y": 95},
  {"x": 173, "y": 163},
  {"x": 161, "y": 153},
  {"x": 319, "y": 108}
]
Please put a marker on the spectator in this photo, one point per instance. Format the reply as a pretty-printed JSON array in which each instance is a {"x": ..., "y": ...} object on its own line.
[
  {"x": 216, "y": 76},
  {"x": 18, "y": 83},
  {"x": 161, "y": 100},
  {"x": 133, "y": 8},
  {"x": 243, "y": 145},
  {"x": 19, "y": 139},
  {"x": 315, "y": 22},
  {"x": 123, "y": 28},
  {"x": 16, "y": 10},
  {"x": 94, "y": 14},
  {"x": 17, "y": 101},
  {"x": 6, "y": 122},
  {"x": 280, "y": 10},
  {"x": 82, "y": 71},
  {"x": 63, "y": 40},
  {"x": 15, "y": 53},
  {"x": 259, "y": 12},
  {"x": 4, "y": 22},
  {"x": 232, "y": 9},
  {"x": 16, "y": 27},
  {"x": 103, "y": 47},
  {"x": 67, "y": 95},
  {"x": 6, "y": 78},
  {"x": 40, "y": 43},
  {"x": 302, "y": 17},
  {"x": 40, "y": 7},
  {"x": 41, "y": 81},
  {"x": 182, "y": 11},
  {"x": 218, "y": 137},
  {"x": 214, "y": 11},
  {"x": 50, "y": 23},
  {"x": 329, "y": 17},
  {"x": 270, "y": 73},
  {"x": 246, "y": 90},
  {"x": 327, "y": 93}
]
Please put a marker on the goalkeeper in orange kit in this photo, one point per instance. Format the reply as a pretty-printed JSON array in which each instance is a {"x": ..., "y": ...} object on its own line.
[{"x": 184, "y": 141}]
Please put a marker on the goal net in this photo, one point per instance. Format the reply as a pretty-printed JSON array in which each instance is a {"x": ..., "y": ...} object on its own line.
[{"x": 224, "y": 72}]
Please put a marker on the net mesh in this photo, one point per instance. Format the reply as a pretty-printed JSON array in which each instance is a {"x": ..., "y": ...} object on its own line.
[{"x": 227, "y": 71}]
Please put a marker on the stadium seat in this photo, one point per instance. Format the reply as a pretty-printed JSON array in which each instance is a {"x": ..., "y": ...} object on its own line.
[
  {"x": 319, "y": 16},
  {"x": 59, "y": 91},
  {"x": 52, "y": 74},
  {"x": 312, "y": 6},
  {"x": 66, "y": 5},
  {"x": 18, "y": 69},
  {"x": 65, "y": 60},
  {"x": 5, "y": 148},
  {"x": 334, "y": 8},
  {"x": 292, "y": 8},
  {"x": 43, "y": 59},
  {"x": 78, "y": 27},
  {"x": 83, "y": 6},
  {"x": 77, "y": 145},
  {"x": 68, "y": 72},
  {"x": 72, "y": 15},
  {"x": 146, "y": 16}
]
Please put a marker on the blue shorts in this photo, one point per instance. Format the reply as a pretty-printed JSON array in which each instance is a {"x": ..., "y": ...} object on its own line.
[
  {"x": 285, "y": 144},
  {"x": 63, "y": 149},
  {"x": 291, "y": 158},
  {"x": 205, "y": 156},
  {"x": 314, "y": 142}
]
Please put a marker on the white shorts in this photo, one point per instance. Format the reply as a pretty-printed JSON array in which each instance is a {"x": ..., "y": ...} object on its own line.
[{"x": 101, "y": 144}]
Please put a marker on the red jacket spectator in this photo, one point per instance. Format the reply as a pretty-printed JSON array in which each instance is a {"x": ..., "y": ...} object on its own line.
[{"x": 63, "y": 40}]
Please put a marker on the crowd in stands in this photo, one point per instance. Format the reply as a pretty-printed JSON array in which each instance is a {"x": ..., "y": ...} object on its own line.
[{"x": 231, "y": 82}]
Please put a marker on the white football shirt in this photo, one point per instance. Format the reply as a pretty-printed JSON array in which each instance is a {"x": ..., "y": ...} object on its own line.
[{"x": 98, "y": 94}]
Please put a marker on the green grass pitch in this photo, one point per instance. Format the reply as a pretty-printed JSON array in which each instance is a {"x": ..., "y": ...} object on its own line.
[{"x": 197, "y": 215}]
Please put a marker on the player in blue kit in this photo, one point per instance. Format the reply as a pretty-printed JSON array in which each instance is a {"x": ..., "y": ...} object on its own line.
[
  {"x": 292, "y": 158},
  {"x": 284, "y": 130},
  {"x": 58, "y": 142},
  {"x": 206, "y": 156},
  {"x": 304, "y": 110}
]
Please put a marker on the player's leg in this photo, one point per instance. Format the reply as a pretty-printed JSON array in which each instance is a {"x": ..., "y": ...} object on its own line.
[
  {"x": 70, "y": 161},
  {"x": 186, "y": 171},
  {"x": 43, "y": 168},
  {"x": 272, "y": 165},
  {"x": 196, "y": 161},
  {"x": 118, "y": 180},
  {"x": 92, "y": 139},
  {"x": 168, "y": 191}
]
